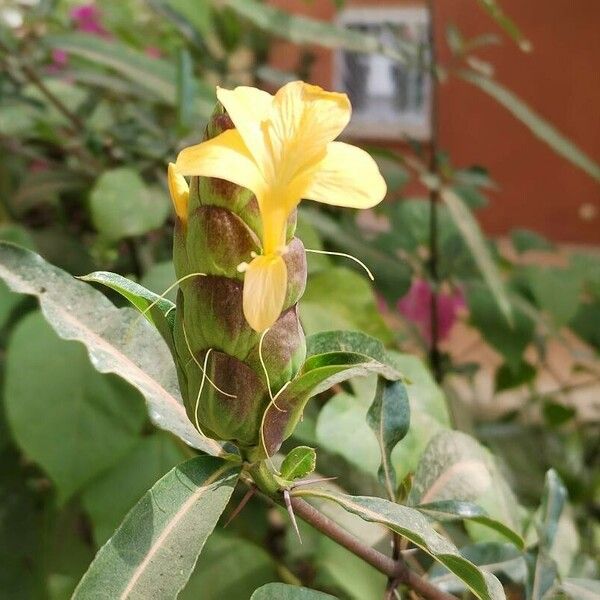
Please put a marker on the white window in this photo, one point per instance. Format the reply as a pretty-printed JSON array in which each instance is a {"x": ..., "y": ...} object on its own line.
[{"x": 390, "y": 100}]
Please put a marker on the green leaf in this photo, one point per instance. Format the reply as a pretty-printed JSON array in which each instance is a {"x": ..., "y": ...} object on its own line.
[
  {"x": 53, "y": 392},
  {"x": 469, "y": 228},
  {"x": 117, "y": 340},
  {"x": 113, "y": 493},
  {"x": 342, "y": 426},
  {"x": 231, "y": 568},
  {"x": 155, "y": 549},
  {"x": 21, "y": 574},
  {"x": 581, "y": 589},
  {"x": 557, "y": 414},
  {"x": 494, "y": 10},
  {"x": 353, "y": 306},
  {"x": 332, "y": 357},
  {"x": 538, "y": 126},
  {"x": 123, "y": 206},
  {"x": 542, "y": 568},
  {"x": 486, "y": 316},
  {"x": 416, "y": 528},
  {"x": 8, "y": 300},
  {"x": 456, "y": 467},
  {"x": 525, "y": 240},
  {"x": 557, "y": 291},
  {"x": 510, "y": 375},
  {"x": 393, "y": 277},
  {"x": 389, "y": 418},
  {"x": 186, "y": 89},
  {"x": 156, "y": 76},
  {"x": 553, "y": 503},
  {"x": 500, "y": 559},
  {"x": 303, "y": 30},
  {"x": 298, "y": 463},
  {"x": 283, "y": 591},
  {"x": 162, "y": 313},
  {"x": 459, "y": 509}
]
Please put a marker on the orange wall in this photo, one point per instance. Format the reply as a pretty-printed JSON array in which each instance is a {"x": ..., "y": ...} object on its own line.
[{"x": 560, "y": 79}]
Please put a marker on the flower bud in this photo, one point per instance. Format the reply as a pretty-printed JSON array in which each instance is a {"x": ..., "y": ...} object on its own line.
[{"x": 221, "y": 361}]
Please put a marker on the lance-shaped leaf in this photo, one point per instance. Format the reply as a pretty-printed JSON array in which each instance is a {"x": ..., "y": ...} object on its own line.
[
  {"x": 299, "y": 462},
  {"x": 417, "y": 528},
  {"x": 162, "y": 313},
  {"x": 494, "y": 10},
  {"x": 581, "y": 589},
  {"x": 542, "y": 568},
  {"x": 332, "y": 357},
  {"x": 304, "y": 30},
  {"x": 284, "y": 591},
  {"x": 449, "y": 510},
  {"x": 154, "y": 551},
  {"x": 538, "y": 126},
  {"x": 471, "y": 233},
  {"x": 389, "y": 418},
  {"x": 117, "y": 340},
  {"x": 157, "y": 77},
  {"x": 500, "y": 559}
]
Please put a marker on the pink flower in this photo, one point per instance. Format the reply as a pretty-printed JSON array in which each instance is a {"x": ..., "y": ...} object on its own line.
[
  {"x": 416, "y": 307},
  {"x": 87, "y": 19},
  {"x": 59, "y": 60},
  {"x": 153, "y": 52}
]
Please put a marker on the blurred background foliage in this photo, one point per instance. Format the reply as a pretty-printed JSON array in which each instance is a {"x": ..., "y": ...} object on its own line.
[{"x": 95, "y": 99}]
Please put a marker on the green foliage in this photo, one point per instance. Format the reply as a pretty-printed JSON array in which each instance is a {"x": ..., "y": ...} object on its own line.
[
  {"x": 536, "y": 124},
  {"x": 82, "y": 184},
  {"x": 298, "y": 463},
  {"x": 170, "y": 523},
  {"x": 389, "y": 418},
  {"x": 282, "y": 591},
  {"x": 411, "y": 524},
  {"x": 119, "y": 342},
  {"x": 123, "y": 206},
  {"x": 98, "y": 417},
  {"x": 108, "y": 498}
]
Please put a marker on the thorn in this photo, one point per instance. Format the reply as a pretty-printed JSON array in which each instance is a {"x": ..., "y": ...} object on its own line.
[
  {"x": 238, "y": 509},
  {"x": 311, "y": 481},
  {"x": 290, "y": 509}
]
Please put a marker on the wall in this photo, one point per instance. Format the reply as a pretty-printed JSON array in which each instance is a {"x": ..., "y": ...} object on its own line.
[{"x": 560, "y": 79}]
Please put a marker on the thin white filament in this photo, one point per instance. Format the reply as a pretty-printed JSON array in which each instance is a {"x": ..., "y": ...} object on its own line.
[
  {"x": 187, "y": 343},
  {"x": 264, "y": 366},
  {"x": 360, "y": 262},
  {"x": 162, "y": 296},
  {"x": 200, "y": 390},
  {"x": 262, "y": 423}
]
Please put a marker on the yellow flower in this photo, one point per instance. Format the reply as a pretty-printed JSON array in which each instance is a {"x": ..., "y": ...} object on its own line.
[
  {"x": 179, "y": 190},
  {"x": 282, "y": 150}
]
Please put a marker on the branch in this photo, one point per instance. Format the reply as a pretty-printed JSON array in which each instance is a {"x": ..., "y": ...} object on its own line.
[{"x": 396, "y": 570}]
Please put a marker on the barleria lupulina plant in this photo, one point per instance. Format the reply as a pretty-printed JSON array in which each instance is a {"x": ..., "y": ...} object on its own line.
[
  {"x": 244, "y": 367},
  {"x": 238, "y": 341}
]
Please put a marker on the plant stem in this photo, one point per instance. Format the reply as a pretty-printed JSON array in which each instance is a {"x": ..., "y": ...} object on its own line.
[
  {"x": 76, "y": 123},
  {"x": 395, "y": 569},
  {"x": 434, "y": 196}
]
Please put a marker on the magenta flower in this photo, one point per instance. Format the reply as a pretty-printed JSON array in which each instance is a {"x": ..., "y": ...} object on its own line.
[
  {"x": 87, "y": 19},
  {"x": 153, "y": 52},
  {"x": 416, "y": 307},
  {"x": 58, "y": 61}
]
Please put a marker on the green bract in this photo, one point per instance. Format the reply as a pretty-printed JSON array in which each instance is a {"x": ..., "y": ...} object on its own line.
[{"x": 222, "y": 230}]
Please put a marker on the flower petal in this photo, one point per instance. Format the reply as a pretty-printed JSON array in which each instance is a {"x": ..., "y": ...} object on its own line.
[
  {"x": 265, "y": 284},
  {"x": 249, "y": 108},
  {"x": 347, "y": 176},
  {"x": 225, "y": 157},
  {"x": 304, "y": 120},
  {"x": 179, "y": 190}
]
